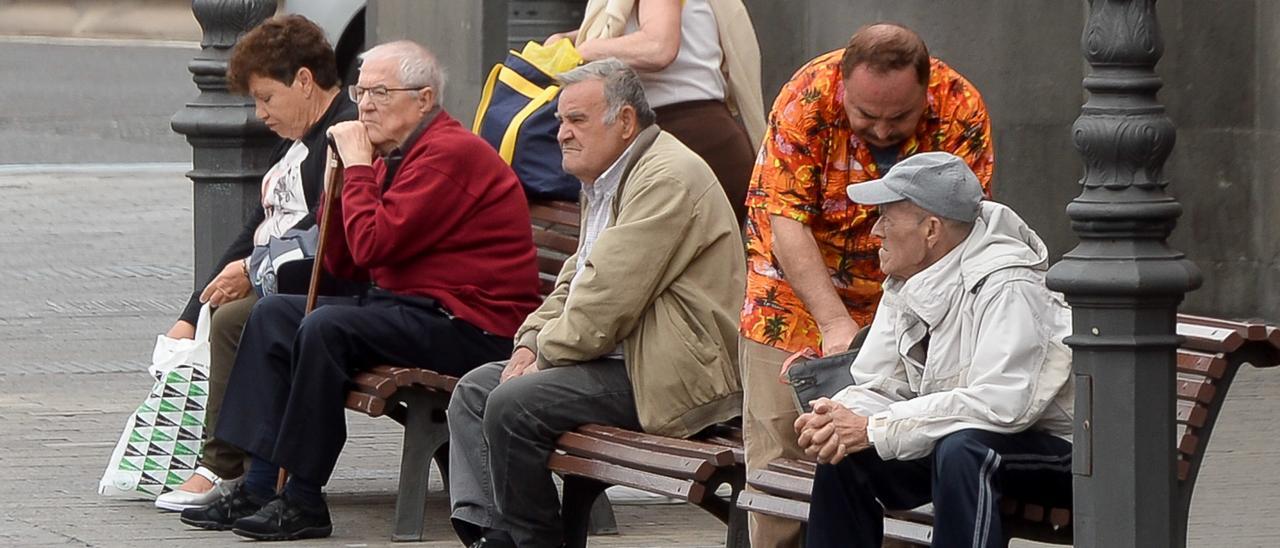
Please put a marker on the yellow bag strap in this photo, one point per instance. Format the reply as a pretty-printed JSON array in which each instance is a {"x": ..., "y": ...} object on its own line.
[
  {"x": 519, "y": 83},
  {"x": 485, "y": 97},
  {"x": 508, "y": 149}
]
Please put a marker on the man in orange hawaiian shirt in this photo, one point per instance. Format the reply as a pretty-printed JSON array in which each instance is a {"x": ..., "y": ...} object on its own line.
[{"x": 813, "y": 278}]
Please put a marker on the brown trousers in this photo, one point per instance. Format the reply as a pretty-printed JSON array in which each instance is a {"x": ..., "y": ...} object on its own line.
[
  {"x": 707, "y": 128},
  {"x": 768, "y": 416},
  {"x": 224, "y": 459}
]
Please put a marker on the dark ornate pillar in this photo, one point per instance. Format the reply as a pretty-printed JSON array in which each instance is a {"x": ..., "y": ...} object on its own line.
[
  {"x": 1124, "y": 284},
  {"x": 230, "y": 145}
]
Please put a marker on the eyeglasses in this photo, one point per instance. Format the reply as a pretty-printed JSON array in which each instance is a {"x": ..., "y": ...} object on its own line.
[{"x": 378, "y": 94}]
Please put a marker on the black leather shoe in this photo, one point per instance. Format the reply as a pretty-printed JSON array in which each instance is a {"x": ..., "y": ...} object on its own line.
[
  {"x": 220, "y": 514},
  {"x": 494, "y": 538},
  {"x": 284, "y": 519}
]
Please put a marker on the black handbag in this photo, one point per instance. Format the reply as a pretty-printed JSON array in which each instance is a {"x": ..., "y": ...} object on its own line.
[{"x": 812, "y": 377}]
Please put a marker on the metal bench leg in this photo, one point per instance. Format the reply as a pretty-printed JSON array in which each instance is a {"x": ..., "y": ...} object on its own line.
[
  {"x": 425, "y": 431},
  {"x": 737, "y": 534},
  {"x": 580, "y": 496},
  {"x": 602, "y": 521}
]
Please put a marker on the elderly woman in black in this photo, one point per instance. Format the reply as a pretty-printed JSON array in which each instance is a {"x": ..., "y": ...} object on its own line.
[{"x": 289, "y": 69}]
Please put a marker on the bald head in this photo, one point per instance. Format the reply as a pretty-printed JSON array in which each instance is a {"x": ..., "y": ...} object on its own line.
[{"x": 885, "y": 48}]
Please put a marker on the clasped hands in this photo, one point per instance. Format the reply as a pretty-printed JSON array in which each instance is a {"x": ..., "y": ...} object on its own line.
[
  {"x": 831, "y": 431},
  {"x": 523, "y": 362},
  {"x": 351, "y": 138}
]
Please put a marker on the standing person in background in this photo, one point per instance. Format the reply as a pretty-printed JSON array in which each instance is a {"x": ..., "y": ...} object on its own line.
[
  {"x": 813, "y": 277},
  {"x": 699, "y": 63},
  {"x": 288, "y": 68}
]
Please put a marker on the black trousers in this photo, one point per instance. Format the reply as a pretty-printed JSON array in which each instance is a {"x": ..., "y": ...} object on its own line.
[
  {"x": 286, "y": 397},
  {"x": 964, "y": 478}
]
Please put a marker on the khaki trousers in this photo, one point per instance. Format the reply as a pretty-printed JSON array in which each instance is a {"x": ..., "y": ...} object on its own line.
[
  {"x": 227, "y": 322},
  {"x": 768, "y": 415}
]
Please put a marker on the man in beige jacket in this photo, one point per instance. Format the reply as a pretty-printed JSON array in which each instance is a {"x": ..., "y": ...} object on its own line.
[{"x": 640, "y": 331}]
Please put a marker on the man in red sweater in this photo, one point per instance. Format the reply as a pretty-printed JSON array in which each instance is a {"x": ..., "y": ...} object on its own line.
[{"x": 437, "y": 223}]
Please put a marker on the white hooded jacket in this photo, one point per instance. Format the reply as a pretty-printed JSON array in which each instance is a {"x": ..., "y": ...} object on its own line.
[{"x": 974, "y": 341}]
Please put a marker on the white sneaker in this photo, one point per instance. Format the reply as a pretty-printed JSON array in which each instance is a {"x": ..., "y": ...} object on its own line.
[{"x": 179, "y": 500}]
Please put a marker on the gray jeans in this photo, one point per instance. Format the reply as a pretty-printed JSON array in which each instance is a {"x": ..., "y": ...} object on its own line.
[{"x": 500, "y": 437}]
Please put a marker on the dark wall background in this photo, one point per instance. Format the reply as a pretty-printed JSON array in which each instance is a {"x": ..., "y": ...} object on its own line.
[{"x": 1221, "y": 70}]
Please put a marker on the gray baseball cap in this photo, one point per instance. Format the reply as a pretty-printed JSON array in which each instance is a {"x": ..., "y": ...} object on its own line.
[{"x": 939, "y": 182}]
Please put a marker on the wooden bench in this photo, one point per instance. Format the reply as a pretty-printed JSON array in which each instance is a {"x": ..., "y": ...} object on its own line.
[
  {"x": 1210, "y": 356},
  {"x": 594, "y": 457},
  {"x": 417, "y": 398}
]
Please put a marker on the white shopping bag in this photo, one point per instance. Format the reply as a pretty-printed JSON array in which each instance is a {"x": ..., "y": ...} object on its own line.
[{"x": 162, "y": 439}]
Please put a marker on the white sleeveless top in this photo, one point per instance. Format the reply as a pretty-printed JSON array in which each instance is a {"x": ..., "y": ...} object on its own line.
[{"x": 695, "y": 74}]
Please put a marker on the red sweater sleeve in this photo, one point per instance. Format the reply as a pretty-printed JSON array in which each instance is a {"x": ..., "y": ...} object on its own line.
[
  {"x": 384, "y": 229},
  {"x": 337, "y": 256}
]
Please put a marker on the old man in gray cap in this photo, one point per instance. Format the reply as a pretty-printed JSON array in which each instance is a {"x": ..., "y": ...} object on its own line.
[{"x": 962, "y": 391}]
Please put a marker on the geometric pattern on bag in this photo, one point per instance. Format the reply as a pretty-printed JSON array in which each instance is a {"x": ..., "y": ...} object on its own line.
[{"x": 165, "y": 435}]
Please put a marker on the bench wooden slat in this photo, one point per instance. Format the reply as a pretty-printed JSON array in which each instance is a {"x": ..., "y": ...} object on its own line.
[
  {"x": 765, "y": 503},
  {"x": 1188, "y": 442},
  {"x": 374, "y": 384},
  {"x": 558, "y": 241},
  {"x": 717, "y": 455},
  {"x": 1273, "y": 338},
  {"x": 795, "y": 467},
  {"x": 561, "y": 213},
  {"x": 412, "y": 377},
  {"x": 781, "y": 483},
  {"x": 1210, "y": 338},
  {"x": 366, "y": 403},
  {"x": 734, "y": 447},
  {"x": 1199, "y": 390},
  {"x": 1213, "y": 366},
  {"x": 1191, "y": 413},
  {"x": 679, "y": 466},
  {"x": 1250, "y": 331},
  {"x": 549, "y": 264},
  {"x": 908, "y": 531},
  {"x": 621, "y": 475},
  {"x": 1060, "y": 517},
  {"x": 1033, "y": 512}
]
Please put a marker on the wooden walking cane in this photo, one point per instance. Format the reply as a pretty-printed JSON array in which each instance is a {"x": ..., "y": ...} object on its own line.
[{"x": 332, "y": 187}]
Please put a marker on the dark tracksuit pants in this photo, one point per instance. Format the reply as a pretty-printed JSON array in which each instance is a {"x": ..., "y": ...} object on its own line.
[
  {"x": 965, "y": 477},
  {"x": 285, "y": 400}
]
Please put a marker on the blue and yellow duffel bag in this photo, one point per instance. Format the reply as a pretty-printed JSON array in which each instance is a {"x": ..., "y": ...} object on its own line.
[{"x": 516, "y": 116}]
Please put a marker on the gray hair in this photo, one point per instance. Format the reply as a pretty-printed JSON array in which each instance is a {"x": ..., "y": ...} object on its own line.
[
  {"x": 621, "y": 87},
  {"x": 418, "y": 66}
]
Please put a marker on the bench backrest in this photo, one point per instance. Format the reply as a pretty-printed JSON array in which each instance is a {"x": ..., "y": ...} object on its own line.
[
  {"x": 555, "y": 232},
  {"x": 1211, "y": 353}
]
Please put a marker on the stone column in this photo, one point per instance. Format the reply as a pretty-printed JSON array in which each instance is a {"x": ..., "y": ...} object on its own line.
[
  {"x": 231, "y": 147},
  {"x": 1124, "y": 283}
]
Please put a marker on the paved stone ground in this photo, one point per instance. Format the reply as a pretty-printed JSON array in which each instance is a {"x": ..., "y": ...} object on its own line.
[{"x": 93, "y": 266}]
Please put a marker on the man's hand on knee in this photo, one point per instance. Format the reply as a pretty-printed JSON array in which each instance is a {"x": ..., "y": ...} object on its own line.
[{"x": 523, "y": 361}]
